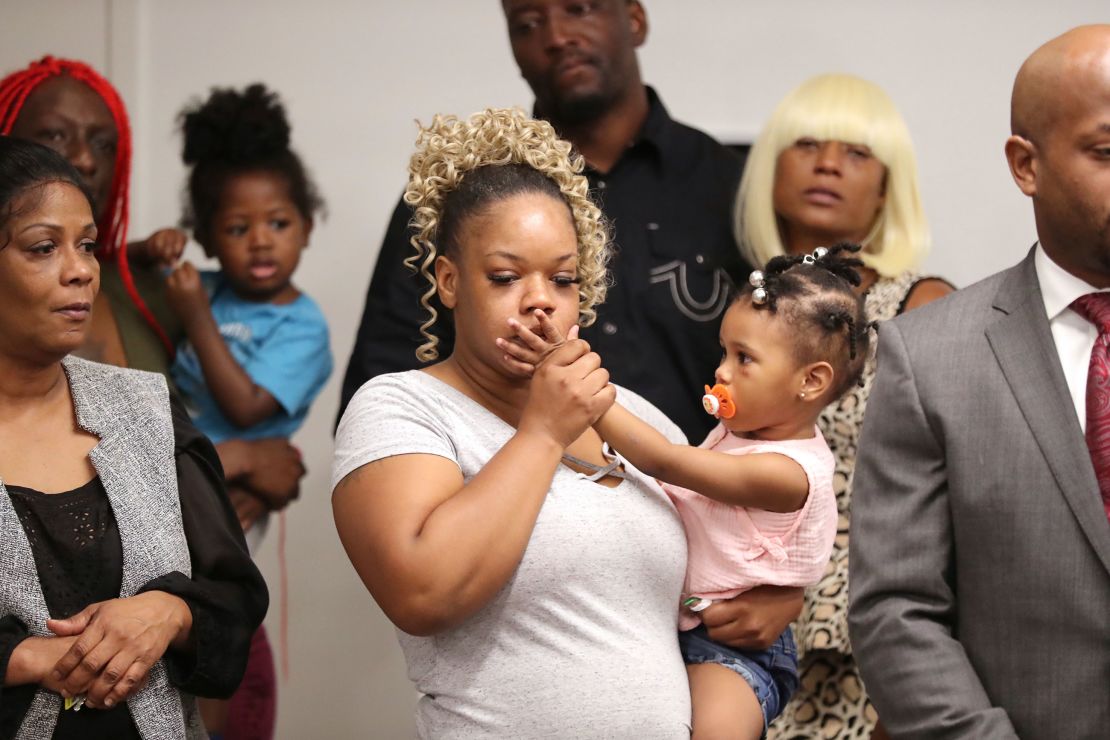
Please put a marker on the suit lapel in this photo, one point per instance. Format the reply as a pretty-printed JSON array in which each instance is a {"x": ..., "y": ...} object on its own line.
[{"x": 1022, "y": 343}]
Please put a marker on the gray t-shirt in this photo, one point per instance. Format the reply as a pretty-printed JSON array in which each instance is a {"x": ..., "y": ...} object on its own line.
[{"x": 581, "y": 642}]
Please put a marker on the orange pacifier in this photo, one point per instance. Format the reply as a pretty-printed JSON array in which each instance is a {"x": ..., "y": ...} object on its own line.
[{"x": 718, "y": 402}]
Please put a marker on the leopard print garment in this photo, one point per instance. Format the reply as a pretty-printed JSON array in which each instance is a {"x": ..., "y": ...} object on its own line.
[{"x": 830, "y": 701}]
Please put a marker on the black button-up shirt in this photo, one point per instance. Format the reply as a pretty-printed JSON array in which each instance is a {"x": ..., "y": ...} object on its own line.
[{"x": 669, "y": 200}]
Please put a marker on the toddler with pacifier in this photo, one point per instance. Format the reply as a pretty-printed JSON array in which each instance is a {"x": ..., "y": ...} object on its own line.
[{"x": 756, "y": 497}]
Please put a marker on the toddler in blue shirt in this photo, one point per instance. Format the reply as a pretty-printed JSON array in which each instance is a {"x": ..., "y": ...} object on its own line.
[
  {"x": 282, "y": 349},
  {"x": 256, "y": 352}
]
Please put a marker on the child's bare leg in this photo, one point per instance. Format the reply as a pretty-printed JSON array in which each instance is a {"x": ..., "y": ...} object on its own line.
[
  {"x": 213, "y": 712},
  {"x": 724, "y": 705}
]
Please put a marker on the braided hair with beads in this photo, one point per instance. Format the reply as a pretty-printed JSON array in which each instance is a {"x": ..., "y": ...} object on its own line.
[{"x": 816, "y": 295}]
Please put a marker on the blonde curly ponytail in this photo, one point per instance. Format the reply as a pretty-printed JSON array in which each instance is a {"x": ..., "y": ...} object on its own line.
[{"x": 449, "y": 148}]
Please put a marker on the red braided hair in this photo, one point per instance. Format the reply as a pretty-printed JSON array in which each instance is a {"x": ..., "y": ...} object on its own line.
[{"x": 14, "y": 91}]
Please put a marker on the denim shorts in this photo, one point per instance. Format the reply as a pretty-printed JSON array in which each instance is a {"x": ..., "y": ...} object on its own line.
[{"x": 772, "y": 673}]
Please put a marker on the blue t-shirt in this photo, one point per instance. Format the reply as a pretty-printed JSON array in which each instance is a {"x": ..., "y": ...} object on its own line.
[{"x": 284, "y": 349}]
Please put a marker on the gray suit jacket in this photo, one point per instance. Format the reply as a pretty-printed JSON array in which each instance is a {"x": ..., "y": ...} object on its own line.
[{"x": 980, "y": 555}]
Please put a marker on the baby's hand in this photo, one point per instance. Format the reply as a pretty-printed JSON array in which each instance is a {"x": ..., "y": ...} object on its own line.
[
  {"x": 185, "y": 294},
  {"x": 164, "y": 247},
  {"x": 527, "y": 357}
]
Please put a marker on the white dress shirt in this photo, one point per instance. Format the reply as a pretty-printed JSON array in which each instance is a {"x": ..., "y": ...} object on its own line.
[{"x": 1073, "y": 334}]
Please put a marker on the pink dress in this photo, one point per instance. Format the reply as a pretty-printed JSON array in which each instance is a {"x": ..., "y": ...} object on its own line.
[{"x": 734, "y": 548}]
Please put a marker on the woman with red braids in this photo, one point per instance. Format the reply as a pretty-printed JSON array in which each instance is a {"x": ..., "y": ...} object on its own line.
[{"x": 69, "y": 107}]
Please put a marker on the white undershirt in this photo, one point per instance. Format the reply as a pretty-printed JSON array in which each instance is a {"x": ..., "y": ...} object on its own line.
[{"x": 1073, "y": 334}]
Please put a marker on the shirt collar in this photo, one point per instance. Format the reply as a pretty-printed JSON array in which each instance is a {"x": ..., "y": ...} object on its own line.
[
  {"x": 1059, "y": 288},
  {"x": 656, "y": 132}
]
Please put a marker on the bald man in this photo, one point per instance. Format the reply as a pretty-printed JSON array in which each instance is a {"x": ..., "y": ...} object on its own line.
[{"x": 980, "y": 562}]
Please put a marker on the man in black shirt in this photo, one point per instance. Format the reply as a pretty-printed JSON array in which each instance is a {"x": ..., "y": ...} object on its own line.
[{"x": 666, "y": 189}]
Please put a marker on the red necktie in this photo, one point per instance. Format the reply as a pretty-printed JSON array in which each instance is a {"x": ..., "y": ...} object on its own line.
[{"x": 1095, "y": 307}]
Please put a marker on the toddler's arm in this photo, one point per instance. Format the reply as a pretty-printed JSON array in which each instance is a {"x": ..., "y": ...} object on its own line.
[
  {"x": 763, "y": 480},
  {"x": 243, "y": 402}
]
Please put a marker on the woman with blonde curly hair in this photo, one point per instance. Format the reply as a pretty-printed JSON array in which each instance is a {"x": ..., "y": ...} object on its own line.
[
  {"x": 835, "y": 163},
  {"x": 534, "y": 582}
]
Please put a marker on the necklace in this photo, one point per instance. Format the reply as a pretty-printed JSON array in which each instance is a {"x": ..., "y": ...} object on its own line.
[{"x": 597, "y": 472}]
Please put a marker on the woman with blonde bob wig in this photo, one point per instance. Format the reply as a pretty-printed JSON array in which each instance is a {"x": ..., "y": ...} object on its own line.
[
  {"x": 849, "y": 111},
  {"x": 835, "y": 163}
]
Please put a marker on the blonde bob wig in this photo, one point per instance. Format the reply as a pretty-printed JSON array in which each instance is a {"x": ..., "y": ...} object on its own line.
[
  {"x": 837, "y": 107},
  {"x": 449, "y": 148}
]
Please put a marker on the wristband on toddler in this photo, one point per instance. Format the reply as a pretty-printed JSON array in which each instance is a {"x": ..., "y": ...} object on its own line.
[{"x": 697, "y": 604}]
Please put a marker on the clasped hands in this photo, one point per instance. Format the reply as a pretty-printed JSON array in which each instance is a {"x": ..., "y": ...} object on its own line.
[
  {"x": 569, "y": 389},
  {"x": 105, "y": 651}
]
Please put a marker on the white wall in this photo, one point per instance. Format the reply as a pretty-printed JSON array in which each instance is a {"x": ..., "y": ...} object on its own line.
[
  {"x": 355, "y": 75},
  {"x": 78, "y": 30}
]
